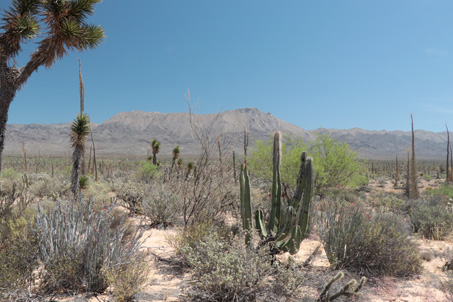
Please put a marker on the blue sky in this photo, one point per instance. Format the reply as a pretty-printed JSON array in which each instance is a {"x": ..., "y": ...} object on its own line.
[{"x": 331, "y": 64}]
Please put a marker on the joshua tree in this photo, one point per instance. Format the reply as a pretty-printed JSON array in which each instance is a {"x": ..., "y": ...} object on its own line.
[
  {"x": 156, "y": 147},
  {"x": 64, "y": 25},
  {"x": 175, "y": 154},
  {"x": 80, "y": 128}
]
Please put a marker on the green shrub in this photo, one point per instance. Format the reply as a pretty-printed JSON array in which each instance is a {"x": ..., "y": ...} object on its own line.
[
  {"x": 147, "y": 171},
  {"x": 161, "y": 205},
  {"x": 224, "y": 269},
  {"x": 335, "y": 163},
  {"x": 432, "y": 222},
  {"x": 378, "y": 244},
  {"x": 84, "y": 181},
  {"x": 78, "y": 245}
]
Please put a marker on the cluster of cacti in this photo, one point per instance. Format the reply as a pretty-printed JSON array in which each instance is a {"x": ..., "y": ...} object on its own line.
[
  {"x": 347, "y": 290},
  {"x": 288, "y": 224}
]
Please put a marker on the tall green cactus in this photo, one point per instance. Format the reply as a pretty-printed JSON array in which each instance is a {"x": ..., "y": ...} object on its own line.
[
  {"x": 246, "y": 205},
  {"x": 287, "y": 225}
]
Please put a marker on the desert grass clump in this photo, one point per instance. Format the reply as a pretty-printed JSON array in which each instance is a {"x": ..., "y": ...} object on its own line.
[
  {"x": 374, "y": 244},
  {"x": 78, "y": 245},
  {"x": 431, "y": 221}
]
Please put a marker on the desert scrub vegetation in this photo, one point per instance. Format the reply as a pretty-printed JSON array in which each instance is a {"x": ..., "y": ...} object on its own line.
[
  {"x": 225, "y": 269},
  {"x": 371, "y": 243},
  {"x": 432, "y": 221}
]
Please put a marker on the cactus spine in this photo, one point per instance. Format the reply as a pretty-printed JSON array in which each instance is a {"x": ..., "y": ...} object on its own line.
[{"x": 287, "y": 226}]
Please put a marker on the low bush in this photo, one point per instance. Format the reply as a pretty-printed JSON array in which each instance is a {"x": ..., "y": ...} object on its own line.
[
  {"x": 147, "y": 171},
  {"x": 78, "y": 245},
  {"x": 128, "y": 279},
  {"x": 431, "y": 221},
  {"x": 224, "y": 269},
  {"x": 161, "y": 205},
  {"x": 374, "y": 244},
  {"x": 132, "y": 195},
  {"x": 386, "y": 202},
  {"x": 18, "y": 251}
]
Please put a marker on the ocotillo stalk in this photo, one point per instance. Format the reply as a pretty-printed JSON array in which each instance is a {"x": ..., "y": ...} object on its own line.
[
  {"x": 448, "y": 155},
  {"x": 408, "y": 186},
  {"x": 276, "y": 185},
  {"x": 234, "y": 167},
  {"x": 396, "y": 171},
  {"x": 414, "y": 191}
]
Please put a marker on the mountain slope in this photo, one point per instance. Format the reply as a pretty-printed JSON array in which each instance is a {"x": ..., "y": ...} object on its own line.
[{"x": 132, "y": 132}]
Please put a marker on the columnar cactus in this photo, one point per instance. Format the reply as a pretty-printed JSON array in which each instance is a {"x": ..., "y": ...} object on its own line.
[{"x": 287, "y": 226}]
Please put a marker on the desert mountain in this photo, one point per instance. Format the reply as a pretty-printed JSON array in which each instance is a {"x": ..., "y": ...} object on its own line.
[{"x": 130, "y": 133}]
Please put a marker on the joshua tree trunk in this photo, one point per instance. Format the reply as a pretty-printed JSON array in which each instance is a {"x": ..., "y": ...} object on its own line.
[
  {"x": 6, "y": 97},
  {"x": 76, "y": 169}
]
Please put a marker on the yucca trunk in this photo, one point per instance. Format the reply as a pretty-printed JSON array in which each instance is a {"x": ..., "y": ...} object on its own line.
[
  {"x": 6, "y": 97},
  {"x": 76, "y": 169}
]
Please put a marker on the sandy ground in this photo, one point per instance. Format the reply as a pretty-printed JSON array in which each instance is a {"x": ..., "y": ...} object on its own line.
[{"x": 166, "y": 281}]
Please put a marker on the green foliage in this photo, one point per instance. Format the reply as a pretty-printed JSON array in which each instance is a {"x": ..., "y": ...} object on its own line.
[
  {"x": 347, "y": 290},
  {"x": 80, "y": 128},
  {"x": 148, "y": 171},
  {"x": 334, "y": 163},
  {"x": 84, "y": 182},
  {"x": 355, "y": 238},
  {"x": 431, "y": 221}
]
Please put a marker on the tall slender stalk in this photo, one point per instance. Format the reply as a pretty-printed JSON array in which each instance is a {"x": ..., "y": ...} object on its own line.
[{"x": 414, "y": 191}]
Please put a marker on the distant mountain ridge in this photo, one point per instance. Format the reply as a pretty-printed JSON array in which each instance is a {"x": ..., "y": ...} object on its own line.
[{"x": 130, "y": 133}]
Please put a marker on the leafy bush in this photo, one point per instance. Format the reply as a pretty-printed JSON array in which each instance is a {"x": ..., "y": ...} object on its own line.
[
  {"x": 84, "y": 181},
  {"x": 335, "y": 164},
  {"x": 432, "y": 222},
  {"x": 45, "y": 187},
  {"x": 376, "y": 244},
  {"x": 77, "y": 246},
  {"x": 224, "y": 269},
  {"x": 147, "y": 171}
]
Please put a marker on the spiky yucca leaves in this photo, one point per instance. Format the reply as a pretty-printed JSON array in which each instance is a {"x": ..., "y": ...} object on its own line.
[
  {"x": 80, "y": 129},
  {"x": 155, "y": 145},
  {"x": 61, "y": 26}
]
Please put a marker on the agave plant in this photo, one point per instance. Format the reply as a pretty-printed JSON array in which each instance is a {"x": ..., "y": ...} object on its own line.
[{"x": 80, "y": 129}]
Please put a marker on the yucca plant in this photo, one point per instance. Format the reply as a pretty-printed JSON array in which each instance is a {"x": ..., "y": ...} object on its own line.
[
  {"x": 60, "y": 25},
  {"x": 175, "y": 154},
  {"x": 155, "y": 145},
  {"x": 80, "y": 129}
]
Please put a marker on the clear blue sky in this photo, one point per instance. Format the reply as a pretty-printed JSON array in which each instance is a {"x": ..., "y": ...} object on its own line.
[{"x": 331, "y": 64}]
